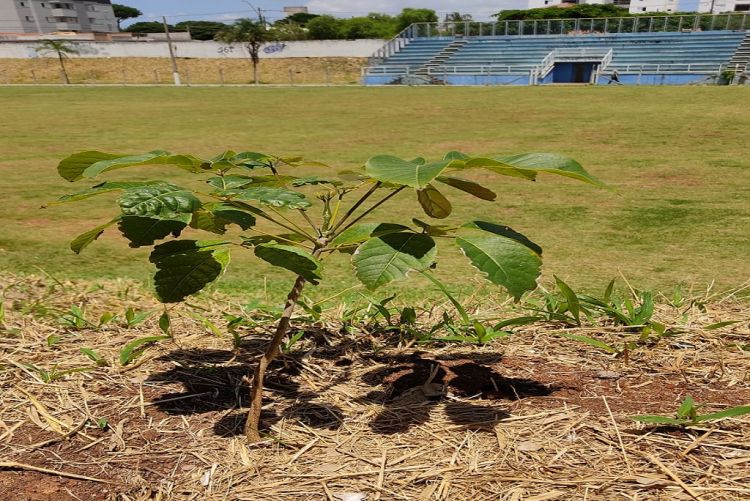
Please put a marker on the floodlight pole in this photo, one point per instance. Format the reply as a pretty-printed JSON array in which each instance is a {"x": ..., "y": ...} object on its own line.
[{"x": 175, "y": 70}]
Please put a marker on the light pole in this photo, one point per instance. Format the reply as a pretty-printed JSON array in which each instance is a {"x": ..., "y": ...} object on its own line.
[{"x": 258, "y": 11}]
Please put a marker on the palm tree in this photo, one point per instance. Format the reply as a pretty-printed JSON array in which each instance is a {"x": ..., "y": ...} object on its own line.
[
  {"x": 60, "y": 47},
  {"x": 252, "y": 35}
]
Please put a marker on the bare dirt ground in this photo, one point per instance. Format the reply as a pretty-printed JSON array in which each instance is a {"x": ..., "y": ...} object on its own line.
[
  {"x": 353, "y": 416},
  {"x": 151, "y": 70}
]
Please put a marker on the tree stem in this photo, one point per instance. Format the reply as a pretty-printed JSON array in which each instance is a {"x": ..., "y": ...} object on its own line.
[{"x": 252, "y": 425}]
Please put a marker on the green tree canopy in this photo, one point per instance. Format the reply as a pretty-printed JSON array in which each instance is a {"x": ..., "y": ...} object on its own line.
[
  {"x": 325, "y": 28},
  {"x": 577, "y": 11},
  {"x": 148, "y": 27},
  {"x": 123, "y": 12},
  {"x": 201, "y": 30},
  {"x": 409, "y": 16}
]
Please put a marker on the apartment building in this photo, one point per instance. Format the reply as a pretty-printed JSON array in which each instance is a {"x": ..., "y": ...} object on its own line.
[{"x": 44, "y": 16}]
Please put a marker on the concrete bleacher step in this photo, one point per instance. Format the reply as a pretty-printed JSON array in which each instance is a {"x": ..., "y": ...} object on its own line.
[{"x": 741, "y": 57}]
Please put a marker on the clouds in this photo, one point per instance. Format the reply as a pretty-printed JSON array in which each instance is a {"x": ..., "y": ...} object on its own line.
[{"x": 480, "y": 9}]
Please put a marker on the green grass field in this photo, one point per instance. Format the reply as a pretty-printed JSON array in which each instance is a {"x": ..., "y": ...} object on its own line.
[{"x": 677, "y": 157}]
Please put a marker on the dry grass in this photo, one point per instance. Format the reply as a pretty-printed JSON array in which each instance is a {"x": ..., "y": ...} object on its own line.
[
  {"x": 145, "y": 70},
  {"x": 353, "y": 413}
]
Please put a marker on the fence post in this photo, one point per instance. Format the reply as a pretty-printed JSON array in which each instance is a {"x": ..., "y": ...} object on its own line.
[
  {"x": 187, "y": 76},
  {"x": 328, "y": 76},
  {"x": 291, "y": 77},
  {"x": 124, "y": 76},
  {"x": 62, "y": 77},
  {"x": 33, "y": 77},
  {"x": 221, "y": 76},
  {"x": 92, "y": 76},
  {"x": 157, "y": 77}
]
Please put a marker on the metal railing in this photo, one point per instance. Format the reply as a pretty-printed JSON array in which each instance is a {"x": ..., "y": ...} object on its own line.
[
  {"x": 601, "y": 56},
  {"x": 603, "y": 25}
]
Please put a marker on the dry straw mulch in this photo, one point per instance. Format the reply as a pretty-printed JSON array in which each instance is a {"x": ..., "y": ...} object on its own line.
[{"x": 351, "y": 417}]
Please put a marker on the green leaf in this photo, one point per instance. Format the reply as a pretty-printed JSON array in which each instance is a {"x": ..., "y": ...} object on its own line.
[
  {"x": 659, "y": 420},
  {"x": 165, "y": 323},
  {"x": 234, "y": 182},
  {"x": 160, "y": 201},
  {"x": 93, "y": 163},
  {"x": 504, "y": 261},
  {"x": 499, "y": 167},
  {"x": 359, "y": 233},
  {"x": 727, "y": 413},
  {"x": 143, "y": 231},
  {"x": 94, "y": 357},
  {"x": 553, "y": 164},
  {"x": 291, "y": 258},
  {"x": 434, "y": 203},
  {"x": 275, "y": 197},
  {"x": 456, "y": 155},
  {"x": 186, "y": 266},
  {"x": 101, "y": 188},
  {"x": 591, "y": 342},
  {"x": 217, "y": 216},
  {"x": 389, "y": 169},
  {"x": 469, "y": 187},
  {"x": 85, "y": 239},
  {"x": 439, "y": 230},
  {"x": 253, "y": 160},
  {"x": 262, "y": 239},
  {"x": 135, "y": 349},
  {"x": 72, "y": 167},
  {"x": 315, "y": 180},
  {"x": 686, "y": 407},
  {"x": 574, "y": 306},
  {"x": 503, "y": 231},
  {"x": 391, "y": 257}
]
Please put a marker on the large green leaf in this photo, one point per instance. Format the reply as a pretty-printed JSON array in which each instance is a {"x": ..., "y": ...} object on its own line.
[
  {"x": 85, "y": 239},
  {"x": 469, "y": 187},
  {"x": 503, "y": 231},
  {"x": 234, "y": 182},
  {"x": 186, "y": 267},
  {"x": 503, "y": 260},
  {"x": 92, "y": 163},
  {"x": 161, "y": 201},
  {"x": 434, "y": 203},
  {"x": 359, "y": 233},
  {"x": 291, "y": 258},
  {"x": 275, "y": 197},
  {"x": 394, "y": 170},
  {"x": 391, "y": 257},
  {"x": 253, "y": 160},
  {"x": 143, "y": 231},
  {"x": 553, "y": 164},
  {"x": 499, "y": 167},
  {"x": 215, "y": 217},
  {"x": 101, "y": 188}
]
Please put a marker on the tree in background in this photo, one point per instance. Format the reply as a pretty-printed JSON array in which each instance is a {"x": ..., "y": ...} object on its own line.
[
  {"x": 409, "y": 16},
  {"x": 325, "y": 28},
  {"x": 299, "y": 18},
  {"x": 457, "y": 17},
  {"x": 123, "y": 12},
  {"x": 148, "y": 27},
  {"x": 62, "y": 49},
  {"x": 252, "y": 35},
  {"x": 200, "y": 30},
  {"x": 577, "y": 11}
]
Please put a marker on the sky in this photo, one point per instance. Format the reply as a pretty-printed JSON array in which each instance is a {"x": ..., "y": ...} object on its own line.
[{"x": 228, "y": 10}]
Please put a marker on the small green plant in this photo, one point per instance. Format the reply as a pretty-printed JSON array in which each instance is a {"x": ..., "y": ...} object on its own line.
[
  {"x": 242, "y": 188},
  {"x": 687, "y": 415},
  {"x": 135, "y": 349},
  {"x": 75, "y": 318},
  {"x": 95, "y": 357},
  {"x": 54, "y": 374},
  {"x": 134, "y": 318}
]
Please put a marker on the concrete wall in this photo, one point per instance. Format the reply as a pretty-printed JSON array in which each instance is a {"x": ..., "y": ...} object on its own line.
[{"x": 205, "y": 50}]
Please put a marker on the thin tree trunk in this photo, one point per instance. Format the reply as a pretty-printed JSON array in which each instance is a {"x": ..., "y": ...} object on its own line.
[
  {"x": 62, "y": 67},
  {"x": 252, "y": 425},
  {"x": 255, "y": 72}
]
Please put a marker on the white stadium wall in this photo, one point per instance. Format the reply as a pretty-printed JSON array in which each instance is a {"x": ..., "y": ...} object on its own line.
[{"x": 204, "y": 50}]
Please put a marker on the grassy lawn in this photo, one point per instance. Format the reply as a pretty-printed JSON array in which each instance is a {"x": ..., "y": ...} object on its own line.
[{"x": 677, "y": 157}]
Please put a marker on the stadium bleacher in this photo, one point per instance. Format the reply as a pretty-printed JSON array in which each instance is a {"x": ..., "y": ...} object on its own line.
[{"x": 676, "y": 57}]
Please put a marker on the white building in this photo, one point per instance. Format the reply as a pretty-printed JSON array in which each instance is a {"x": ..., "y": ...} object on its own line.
[{"x": 44, "y": 16}]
